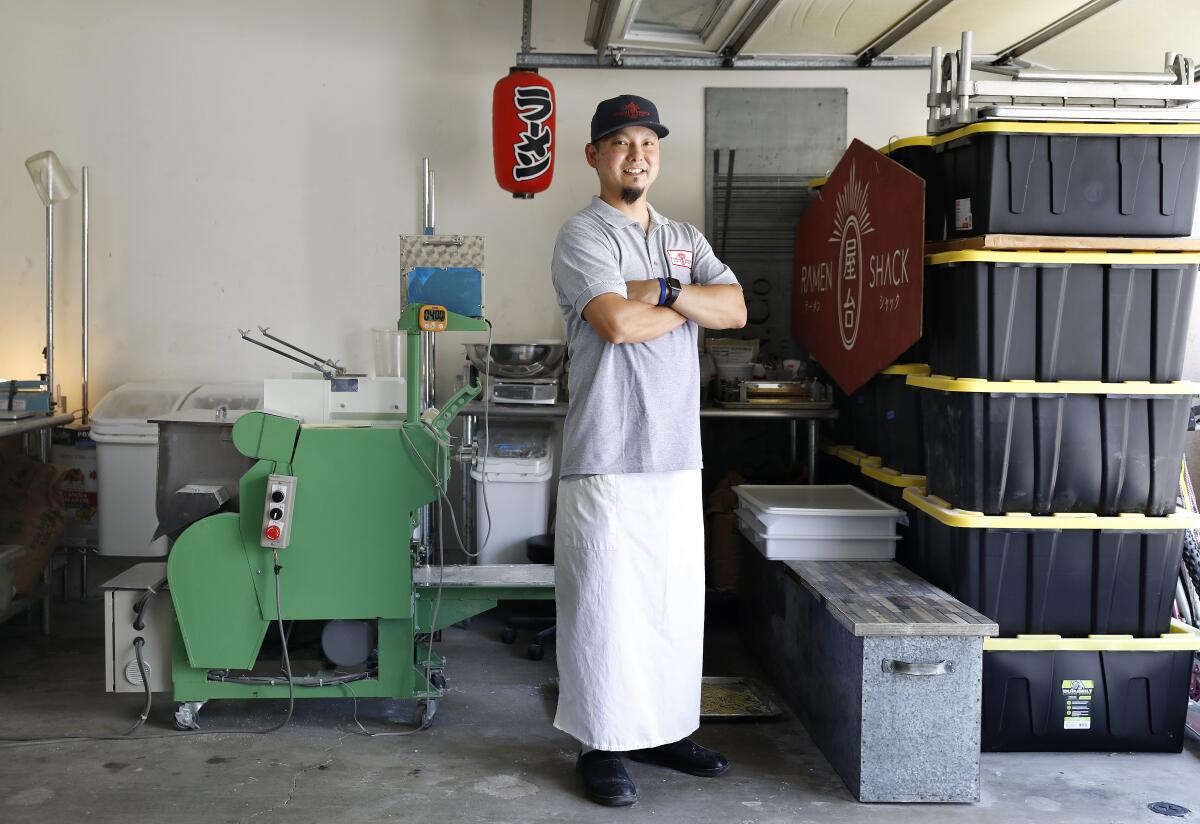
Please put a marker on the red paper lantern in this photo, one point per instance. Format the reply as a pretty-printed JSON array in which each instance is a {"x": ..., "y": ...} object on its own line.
[{"x": 523, "y": 132}]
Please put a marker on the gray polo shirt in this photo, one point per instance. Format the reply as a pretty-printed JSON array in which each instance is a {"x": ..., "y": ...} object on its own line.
[{"x": 635, "y": 407}]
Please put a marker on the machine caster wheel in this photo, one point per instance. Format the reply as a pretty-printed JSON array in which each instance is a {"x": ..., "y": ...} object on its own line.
[
  {"x": 536, "y": 652},
  {"x": 185, "y": 716},
  {"x": 428, "y": 710},
  {"x": 508, "y": 635}
]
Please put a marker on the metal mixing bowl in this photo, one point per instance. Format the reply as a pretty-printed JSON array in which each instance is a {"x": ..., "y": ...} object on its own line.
[{"x": 518, "y": 360}]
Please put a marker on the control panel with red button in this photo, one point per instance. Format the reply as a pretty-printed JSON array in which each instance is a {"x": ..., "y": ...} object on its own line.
[{"x": 277, "y": 512}]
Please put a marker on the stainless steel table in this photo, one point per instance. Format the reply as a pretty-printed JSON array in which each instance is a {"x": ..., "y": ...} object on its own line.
[
  {"x": 813, "y": 414},
  {"x": 39, "y": 424}
]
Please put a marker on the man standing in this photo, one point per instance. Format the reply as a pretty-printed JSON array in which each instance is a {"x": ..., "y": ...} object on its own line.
[{"x": 634, "y": 287}]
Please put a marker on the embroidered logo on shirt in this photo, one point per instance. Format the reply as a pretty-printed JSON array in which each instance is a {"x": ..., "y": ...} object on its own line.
[{"x": 680, "y": 257}]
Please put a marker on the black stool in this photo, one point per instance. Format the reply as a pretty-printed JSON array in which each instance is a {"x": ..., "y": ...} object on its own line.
[{"x": 539, "y": 550}]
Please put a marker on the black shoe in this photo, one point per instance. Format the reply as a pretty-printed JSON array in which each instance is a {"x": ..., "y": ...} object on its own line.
[
  {"x": 605, "y": 780},
  {"x": 686, "y": 756}
]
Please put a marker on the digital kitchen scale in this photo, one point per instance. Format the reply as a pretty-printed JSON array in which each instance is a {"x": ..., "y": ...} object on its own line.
[{"x": 526, "y": 390}]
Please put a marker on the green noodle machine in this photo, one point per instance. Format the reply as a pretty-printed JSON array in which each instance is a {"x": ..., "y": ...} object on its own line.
[{"x": 332, "y": 542}]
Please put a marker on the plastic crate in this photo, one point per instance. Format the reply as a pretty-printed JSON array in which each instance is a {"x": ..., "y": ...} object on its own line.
[
  {"x": 842, "y": 466},
  {"x": 885, "y": 419},
  {"x": 1087, "y": 694},
  {"x": 888, "y": 485},
  {"x": 901, "y": 439},
  {"x": 1069, "y": 178},
  {"x": 1068, "y": 575},
  {"x": 1045, "y": 448},
  {"x": 1051, "y": 316},
  {"x": 865, "y": 417},
  {"x": 918, "y": 155}
]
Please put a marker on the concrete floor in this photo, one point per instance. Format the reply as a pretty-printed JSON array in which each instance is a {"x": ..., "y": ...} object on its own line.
[{"x": 491, "y": 756}]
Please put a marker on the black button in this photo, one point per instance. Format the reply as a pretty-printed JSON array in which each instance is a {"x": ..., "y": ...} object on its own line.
[
  {"x": 276, "y": 513},
  {"x": 277, "y": 496}
]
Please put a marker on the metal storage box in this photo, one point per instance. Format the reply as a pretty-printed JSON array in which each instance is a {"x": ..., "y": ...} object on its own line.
[
  {"x": 815, "y": 522},
  {"x": 1069, "y": 178},
  {"x": 883, "y": 669},
  {"x": 1042, "y": 448},
  {"x": 1053, "y": 316},
  {"x": 1068, "y": 575},
  {"x": 122, "y": 595},
  {"x": 1088, "y": 694}
]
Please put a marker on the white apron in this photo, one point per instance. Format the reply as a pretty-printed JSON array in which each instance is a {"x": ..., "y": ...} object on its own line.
[{"x": 629, "y": 580}]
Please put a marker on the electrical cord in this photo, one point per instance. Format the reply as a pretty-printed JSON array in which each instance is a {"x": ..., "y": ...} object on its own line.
[
  {"x": 487, "y": 445},
  {"x": 422, "y": 725},
  {"x": 139, "y": 609},
  {"x": 138, "y": 643},
  {"x": 445, "y": 505},
  {"x": 283, "y": 641}
]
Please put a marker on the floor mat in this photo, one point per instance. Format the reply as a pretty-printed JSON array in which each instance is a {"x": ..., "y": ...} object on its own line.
[{"x": 726, "y": 698}]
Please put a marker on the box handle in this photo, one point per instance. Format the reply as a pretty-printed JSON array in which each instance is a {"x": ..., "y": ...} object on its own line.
[{"x": 916, "y": 668}]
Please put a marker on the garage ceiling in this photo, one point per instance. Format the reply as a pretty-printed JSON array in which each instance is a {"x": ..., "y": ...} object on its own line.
[{"x": 1114, "y": 35}]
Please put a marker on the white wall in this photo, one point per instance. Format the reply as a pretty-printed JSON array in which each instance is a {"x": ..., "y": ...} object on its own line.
[{"x": 254, "y": 162}]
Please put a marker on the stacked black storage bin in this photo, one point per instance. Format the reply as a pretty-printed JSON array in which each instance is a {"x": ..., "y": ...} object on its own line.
[{"x": 1054, "y": 421}]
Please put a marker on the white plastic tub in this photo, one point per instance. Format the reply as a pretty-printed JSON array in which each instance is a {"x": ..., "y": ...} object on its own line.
[
  {"x": 815, "y": 547},
  {"x": 127, "y": 464},
  {"x": 821, "y": 522},
  {"x": 825, "y": 509}
]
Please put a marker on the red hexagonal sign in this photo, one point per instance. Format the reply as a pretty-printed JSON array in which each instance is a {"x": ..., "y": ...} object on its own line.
[{"x": 856, "y": 289}]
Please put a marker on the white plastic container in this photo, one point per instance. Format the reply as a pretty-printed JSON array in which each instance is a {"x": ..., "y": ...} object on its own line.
[
  {"x": 519, "y": 467},
  {"x": 815, "y": 523},
  {"x": 127, "y": 464},
  {"x": 9, "y": 553}
]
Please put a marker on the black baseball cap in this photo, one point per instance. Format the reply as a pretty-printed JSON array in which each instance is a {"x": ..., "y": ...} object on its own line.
[{"x": 624, "y": 110}]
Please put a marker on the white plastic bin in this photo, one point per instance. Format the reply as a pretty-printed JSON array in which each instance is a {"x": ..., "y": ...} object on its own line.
[
  {"x": 814, "y": 523},
  {"x": 519, "y": 466},
  {"x": 127, "y": 464}
]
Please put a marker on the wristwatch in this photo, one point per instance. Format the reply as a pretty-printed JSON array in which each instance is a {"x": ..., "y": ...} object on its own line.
[{"x": 674, "y": 287}]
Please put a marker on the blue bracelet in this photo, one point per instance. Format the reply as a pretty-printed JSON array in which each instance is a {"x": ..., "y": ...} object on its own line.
[{"x": 662, "y": 291}]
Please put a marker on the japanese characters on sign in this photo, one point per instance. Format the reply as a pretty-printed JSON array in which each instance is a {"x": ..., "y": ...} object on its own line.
[
  {"x": 856, "y": 292},
  {"x": 523, "y": 133}
]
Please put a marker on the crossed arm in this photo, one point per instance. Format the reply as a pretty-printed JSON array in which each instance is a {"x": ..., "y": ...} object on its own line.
[{"x": 638, "y": 319}]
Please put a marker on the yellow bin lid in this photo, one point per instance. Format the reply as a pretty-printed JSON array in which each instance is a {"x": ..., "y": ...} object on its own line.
[
  {"x": 1126, "y": 259},
  {"x": 891, "y": 477},
  {"x": 1181, "y": 638},
  {"x": 1028, "y": 387},
  {"x": 966, "y": 519},
  {"x": 1102, "y": 129}
]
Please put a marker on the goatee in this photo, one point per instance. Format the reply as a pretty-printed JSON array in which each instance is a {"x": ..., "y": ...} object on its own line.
[{"x": 631, "y": 195}]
